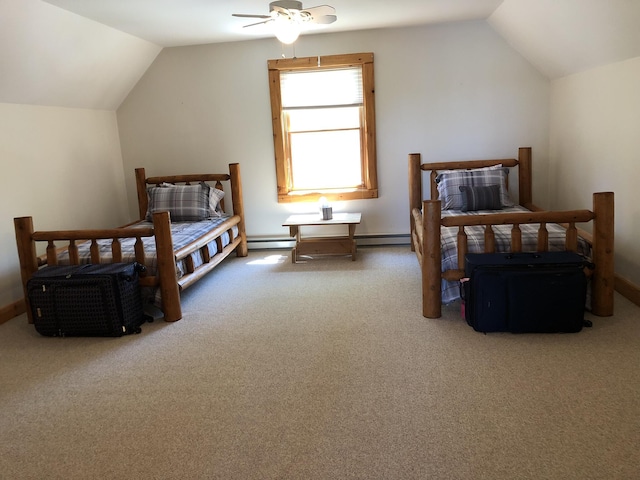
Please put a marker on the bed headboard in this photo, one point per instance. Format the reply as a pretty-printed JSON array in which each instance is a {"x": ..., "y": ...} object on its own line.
[
  {"x": 142, "y": 181},
  {"x": 416, "y": 169}
]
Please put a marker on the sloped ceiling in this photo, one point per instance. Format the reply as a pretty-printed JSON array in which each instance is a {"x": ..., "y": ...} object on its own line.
[
  {"x": 51, "y": 57},
  {"x": 561, "y": 37},
  {"x": 91, "y": 53}
]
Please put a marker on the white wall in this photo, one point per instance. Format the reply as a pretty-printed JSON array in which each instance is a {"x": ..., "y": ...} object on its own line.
[
  {"x": 450, "y": 92},
  {"x": 62, "y": 167},
  {"x": 594, "y": 145}
]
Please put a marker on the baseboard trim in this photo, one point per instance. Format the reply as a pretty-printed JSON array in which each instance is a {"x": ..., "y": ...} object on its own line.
[
  {"x": 627, "y": 289},
  {"x": 259, "y": 243},
  {"x": 399, "y": 239},
  {"x": 12, "y": 310}
]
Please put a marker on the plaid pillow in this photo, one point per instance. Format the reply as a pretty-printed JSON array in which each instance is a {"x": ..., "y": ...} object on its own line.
[
  {"x": 480, "y": 198},
  {"x": 185, "y": 203},
  {"x": 215, "y": 196},
  {"x": 450, "y": 181}
]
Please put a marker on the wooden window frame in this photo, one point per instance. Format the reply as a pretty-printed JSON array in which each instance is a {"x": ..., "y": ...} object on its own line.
[{"x": 283, "y": 163}]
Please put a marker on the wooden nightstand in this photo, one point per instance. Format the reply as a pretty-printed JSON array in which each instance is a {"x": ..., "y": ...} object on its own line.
[{"x": 335, "y": 245}]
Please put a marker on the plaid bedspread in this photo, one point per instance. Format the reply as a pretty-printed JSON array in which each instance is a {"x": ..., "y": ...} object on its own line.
[
  {"x": 475, "y": 243},
  {"x": 182, "y": 234}
]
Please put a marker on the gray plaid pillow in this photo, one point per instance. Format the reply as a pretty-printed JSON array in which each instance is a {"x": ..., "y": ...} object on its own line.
[
  {"x": 185, "y": 203},
  {"x": 450, "y": 181}
]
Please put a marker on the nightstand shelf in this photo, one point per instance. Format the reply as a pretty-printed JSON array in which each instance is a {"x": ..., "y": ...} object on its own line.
[{"x": 333, "y": 245}]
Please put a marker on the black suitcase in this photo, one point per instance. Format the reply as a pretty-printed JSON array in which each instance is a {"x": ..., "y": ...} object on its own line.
[
  {"x": 86, "y": 300},
  {"x": 525, "y": 292}
]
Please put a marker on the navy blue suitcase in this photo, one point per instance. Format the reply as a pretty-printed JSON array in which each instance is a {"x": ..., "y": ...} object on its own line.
[
  {"x": 525, "y": 292},
  {"x": 102, "y": 300}
]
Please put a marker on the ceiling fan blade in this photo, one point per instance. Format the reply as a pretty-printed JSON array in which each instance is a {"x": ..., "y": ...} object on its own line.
[
  {"x": 322, "y": 14},
  {"x": 320, "y": 11},
  {"x": 247, "y": 15},
  {"x": 324, "y": 19},
  {"x": 269, "y": 19},
  {"x": 277, "y": 10}
]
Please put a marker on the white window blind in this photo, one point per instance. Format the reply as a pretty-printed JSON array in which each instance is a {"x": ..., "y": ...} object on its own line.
[{"x": 321, "y": 88}]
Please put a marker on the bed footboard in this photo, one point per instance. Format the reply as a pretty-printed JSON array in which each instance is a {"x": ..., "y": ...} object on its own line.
[
  {"x": 165, "y": 278},
  {"x": 602, "y": 244}
]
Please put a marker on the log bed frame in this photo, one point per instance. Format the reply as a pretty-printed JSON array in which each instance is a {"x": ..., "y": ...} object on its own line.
[
  {"x": 165, "y": 278},
  {"x": 426, "y": 221}
]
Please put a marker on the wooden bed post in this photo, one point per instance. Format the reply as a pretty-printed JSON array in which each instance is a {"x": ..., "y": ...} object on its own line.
[
  {"x": 525, "y": 194},
  {"x": 26, "y": 255},
  {"x": 169, "y": 288},
  {"x": 415, "y": 189},
  {"x": 238, "y": 207},
  {"x": 602, "y": 282},
  {"x": 141, "y": 186},
  {"x": 431, "y": 260}
]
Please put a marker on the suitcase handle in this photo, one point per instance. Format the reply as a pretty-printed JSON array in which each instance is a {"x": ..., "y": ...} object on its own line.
[
  {"x": 461, "y": 286},
  {"x": 138, "y": 268},
  {"x": 510, "y": 256}
]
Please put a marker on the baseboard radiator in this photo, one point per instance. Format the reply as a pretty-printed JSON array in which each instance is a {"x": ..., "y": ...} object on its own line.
[{"x": 277, "y": 243}]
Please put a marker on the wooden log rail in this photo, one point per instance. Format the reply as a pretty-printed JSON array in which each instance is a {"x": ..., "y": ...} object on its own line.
[
  {"x": 193, "y": 273},
  {"x": 75, "y": 237},
  {"x": 570, "y": 218},
  {"x": 416, "y": 233}
]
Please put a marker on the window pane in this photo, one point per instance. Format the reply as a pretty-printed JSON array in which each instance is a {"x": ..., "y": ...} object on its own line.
[
  {"x": 323, "y": 119},
  {"x": 321, "y": 87},
  {"x": 322, "y": 160}
]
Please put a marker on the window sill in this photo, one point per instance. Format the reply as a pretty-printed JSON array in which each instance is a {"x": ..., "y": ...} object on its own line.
[{"x": 330, "y": 195}]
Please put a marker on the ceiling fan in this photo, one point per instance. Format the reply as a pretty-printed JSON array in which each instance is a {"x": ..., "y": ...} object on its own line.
[{"x": 288, "y": 16}]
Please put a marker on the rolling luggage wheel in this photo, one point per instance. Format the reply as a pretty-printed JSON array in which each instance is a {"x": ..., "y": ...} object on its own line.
[{"x": 587, "y": 323}]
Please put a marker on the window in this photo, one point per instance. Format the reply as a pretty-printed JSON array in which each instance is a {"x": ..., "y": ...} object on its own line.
[{"x": 324, "y": 127}]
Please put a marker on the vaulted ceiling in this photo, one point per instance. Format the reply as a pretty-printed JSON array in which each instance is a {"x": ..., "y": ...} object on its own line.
[{"x": 90, "y": 53}]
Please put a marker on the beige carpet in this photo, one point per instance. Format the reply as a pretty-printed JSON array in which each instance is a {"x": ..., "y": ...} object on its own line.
[{"x": 321, "y": 370}]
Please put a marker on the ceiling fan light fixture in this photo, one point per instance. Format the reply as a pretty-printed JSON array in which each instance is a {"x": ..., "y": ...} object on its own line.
[
  {"x": 287, "y": 18},
  {"x": 286, "y": 30}
]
